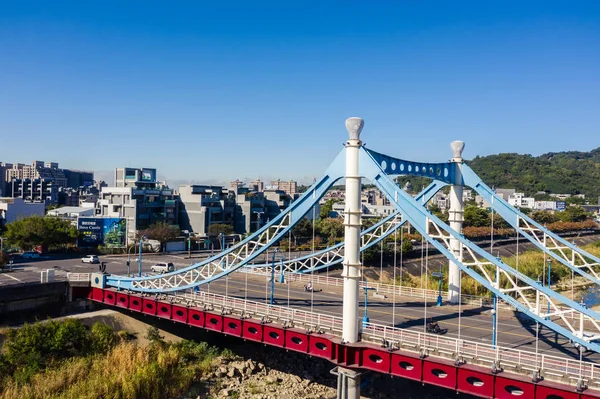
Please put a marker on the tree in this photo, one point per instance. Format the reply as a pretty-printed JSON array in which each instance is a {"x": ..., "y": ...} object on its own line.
[
  {"x": 327, "y": 208},
  {"x": 4, "y": 259},
  {"x": 573, "y": 213},
  {"x": 543, "y": 217},
  {"x": 436, "y": 211},
  {"x": 162, "y": 232},
  {"x": 476, "y": 217},
  {"x": 215, "y": 230},
  {"x": 28, "y": 232},
  {"x": 331, "y": 229}
]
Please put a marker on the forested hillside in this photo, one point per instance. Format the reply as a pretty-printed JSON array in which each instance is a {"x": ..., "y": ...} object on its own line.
[{"x": 570, "y": 172}]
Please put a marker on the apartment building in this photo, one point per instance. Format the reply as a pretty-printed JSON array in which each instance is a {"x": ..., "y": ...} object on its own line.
[
  {"x": 139, "y": 198},
  {"x": 203, "y": 205}
]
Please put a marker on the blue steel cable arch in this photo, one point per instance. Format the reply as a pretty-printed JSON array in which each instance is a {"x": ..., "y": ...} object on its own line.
[
  {"x": 418, "y": 217},
  {"x": 296, "y": 211},
  {"x": 424, "y": 196},
  {"x": 512, "y": 215}
]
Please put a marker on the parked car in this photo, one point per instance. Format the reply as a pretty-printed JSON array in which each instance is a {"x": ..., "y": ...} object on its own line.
[
  {"x": 30, "y": 255},
  {"x": 162, "y": 267},
  {"x": 90, "y": 259}
]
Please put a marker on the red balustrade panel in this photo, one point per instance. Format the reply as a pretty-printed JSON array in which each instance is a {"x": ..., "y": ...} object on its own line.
[
  {"x": 273, "y": 335},
  {"x": 376, "y": 359},
  {"x": 135, "y": 303},
  {"x": 549, "y": 390},
  {"x": 590, "y": 394},
  {"x": 196, "y": 317},
  {"x": 179, "y": 313},
  {"x": 406, "y": 366},
  {"x": 440, "y": 373},
  {"x": 149, "y": 306},
  {"x": 321, "y": 346},
  {"x": 475, "y": 381},
  {"x": 252, "y": 330},
  {"x": 510, "y": 388},
  {"x": 296, "y": 340},
  {"x": 110, "y": 297},
  {"x": 122, "y": 300},
  {"x": 163, "y": 310},
  {"x": 97, "y": 294},
  {"x": 232, "y": 326},
  {"x": 213, "y": 322}
]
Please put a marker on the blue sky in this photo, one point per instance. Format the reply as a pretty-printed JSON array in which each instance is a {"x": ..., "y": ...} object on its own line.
[{"x": 212, "y": 91}]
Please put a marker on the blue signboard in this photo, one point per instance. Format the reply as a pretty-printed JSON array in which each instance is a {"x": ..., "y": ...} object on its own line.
[
  {"x": 561, "y": 205},
  {"x": 109, "y": 232}
]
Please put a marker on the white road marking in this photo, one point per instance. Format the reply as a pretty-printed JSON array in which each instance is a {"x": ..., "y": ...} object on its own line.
[{"x": 14, "y": 278}]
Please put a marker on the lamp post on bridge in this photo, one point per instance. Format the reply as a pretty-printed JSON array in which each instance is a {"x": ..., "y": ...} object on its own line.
[
  {"x": 140, "y": 258},
  {"x": 272, "y": 299},
  {"x": 549, "y": 271},
  {"x": 440, "y": 276},
  {"x": 365, "y": 319}
]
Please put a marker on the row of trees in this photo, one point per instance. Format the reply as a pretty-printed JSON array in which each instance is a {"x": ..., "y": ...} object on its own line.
[
  {"x": 480, "y": 217},
  {"x": 48, "y": 232}
]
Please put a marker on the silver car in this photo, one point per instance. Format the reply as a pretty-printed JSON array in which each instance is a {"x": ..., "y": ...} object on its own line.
[{"x": 90, "y": 259}]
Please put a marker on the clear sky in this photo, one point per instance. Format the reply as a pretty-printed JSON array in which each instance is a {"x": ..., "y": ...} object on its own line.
[{"x": 212, "y": 91}]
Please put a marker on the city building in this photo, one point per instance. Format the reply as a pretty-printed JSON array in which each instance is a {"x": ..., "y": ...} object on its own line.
[
  {"x": 79, "y": 178},
  {"x": 38, "y": 190},
  {"x": 71, "y": 213},
  {"x": 12, "y": 209},
  {"x": 139, "y": 198},
  {"x": 519, "y": 200},
  {"x": 203, "y": 205},
  {"x": 289, "y": 187},
  {"x": 139, "y": 178},
  {"x": 2, "y": 178},
  {"x": 257, "y": 185}
]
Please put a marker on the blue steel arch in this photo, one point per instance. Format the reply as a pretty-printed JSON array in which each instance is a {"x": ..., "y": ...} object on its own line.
[{"x": 446, "y": 172}]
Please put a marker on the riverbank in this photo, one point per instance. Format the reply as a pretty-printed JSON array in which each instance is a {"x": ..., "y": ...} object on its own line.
[{"x": 147, "y": 358}]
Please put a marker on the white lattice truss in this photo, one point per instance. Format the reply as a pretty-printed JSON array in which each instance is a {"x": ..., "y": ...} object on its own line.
[
  {"x": 511, "y": 283},
  {"x": 220, "y": 264},
  {"x": 575, "y": 258},
  {"x": 334, "y": 254}
]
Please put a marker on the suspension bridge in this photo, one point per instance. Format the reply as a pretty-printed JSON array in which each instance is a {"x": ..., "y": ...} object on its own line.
[{"x": 343, "y": 334}]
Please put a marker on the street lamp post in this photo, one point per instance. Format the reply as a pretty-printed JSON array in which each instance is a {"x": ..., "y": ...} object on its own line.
[
  {"x": 128, "y": 260},
  {"x": 440, "y": 276},
  {"x": 273, "y": 275},
  {"x": 366, "y": 315},
  {"x": 140, "y": 257},
  {"x": 549, "y": 271}
]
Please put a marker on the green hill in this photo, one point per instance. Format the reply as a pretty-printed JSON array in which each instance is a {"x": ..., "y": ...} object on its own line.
[{"x": 570, "y": 172}]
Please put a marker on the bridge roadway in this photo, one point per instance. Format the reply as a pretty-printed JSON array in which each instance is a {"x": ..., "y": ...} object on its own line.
[{"x": 475, "y": 323}]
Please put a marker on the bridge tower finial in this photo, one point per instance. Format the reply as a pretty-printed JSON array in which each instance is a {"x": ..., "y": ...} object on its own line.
[
  {"x": 457, "y": 149},
  {"x": 354, "y": 126}
]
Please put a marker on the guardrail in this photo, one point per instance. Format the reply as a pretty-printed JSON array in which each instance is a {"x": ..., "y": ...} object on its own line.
[
  {"x": 78, "y": 277},
  {"x": 551, "y": 367},
  {"x": 386, "y": 289},
  {"x": 463, "y": 351}
]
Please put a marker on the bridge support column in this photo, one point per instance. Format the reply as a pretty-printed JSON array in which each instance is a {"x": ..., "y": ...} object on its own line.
[
  {"x": 350, "y": 387},
  {"x": 455, "y": 219},
  {"x": 348, "y": 383}
]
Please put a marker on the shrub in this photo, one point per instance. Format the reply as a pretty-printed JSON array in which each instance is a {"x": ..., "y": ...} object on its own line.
[{"x": 103, "y": 338}]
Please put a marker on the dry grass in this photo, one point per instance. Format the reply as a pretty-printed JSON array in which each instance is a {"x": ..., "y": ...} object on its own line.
[{"x": 127, "y": 371}]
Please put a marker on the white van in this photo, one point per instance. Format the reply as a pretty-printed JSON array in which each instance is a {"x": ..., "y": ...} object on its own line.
[{"x": 162, "y": 267}]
